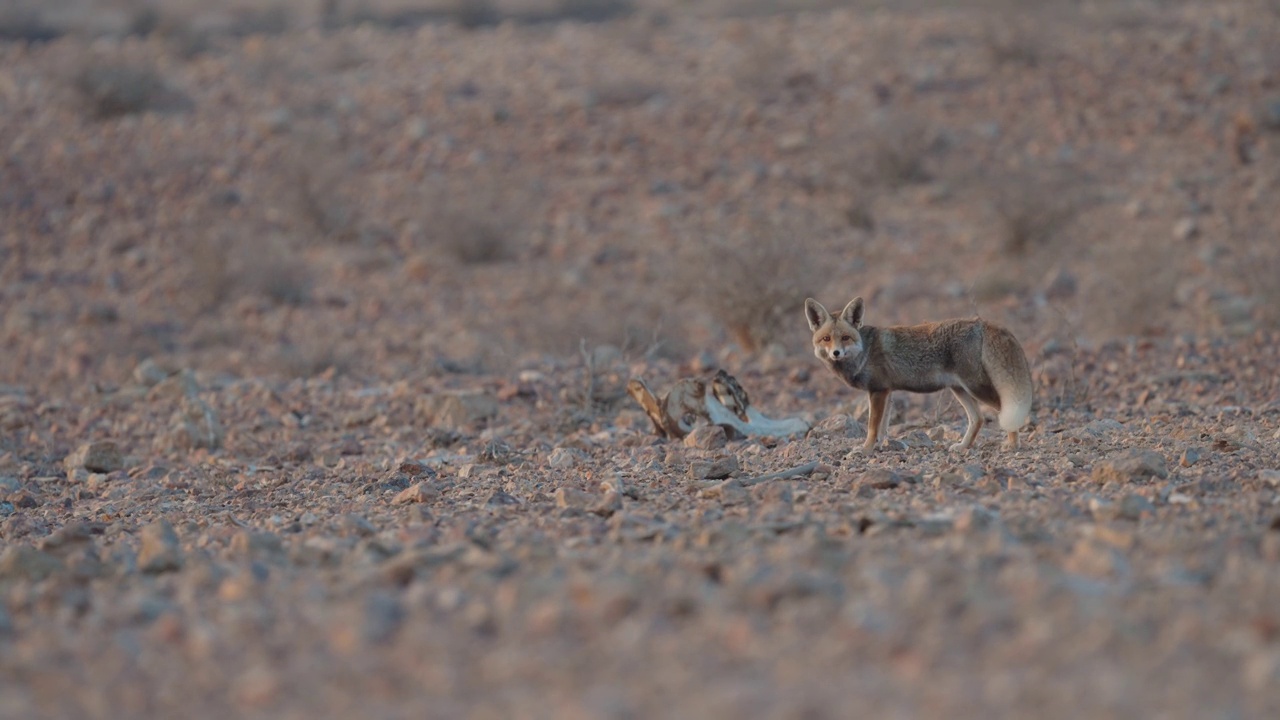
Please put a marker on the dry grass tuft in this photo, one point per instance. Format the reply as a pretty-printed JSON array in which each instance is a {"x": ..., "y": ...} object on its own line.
[
  {"x": 114, "y": 89},
  {"x": 1031, "y": 209},
  {"x": 754, "y": 281},
  {"x": 481, "y": 220}
]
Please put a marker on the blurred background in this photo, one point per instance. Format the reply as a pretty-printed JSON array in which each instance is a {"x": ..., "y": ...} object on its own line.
[{"x": 388, "y": 188}]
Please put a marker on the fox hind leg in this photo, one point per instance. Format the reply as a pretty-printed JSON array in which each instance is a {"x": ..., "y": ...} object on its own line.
[{"x": 974, "y": 414}]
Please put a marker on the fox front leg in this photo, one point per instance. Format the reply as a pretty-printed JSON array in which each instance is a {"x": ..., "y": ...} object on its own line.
[{"x": 875, "y": 421}]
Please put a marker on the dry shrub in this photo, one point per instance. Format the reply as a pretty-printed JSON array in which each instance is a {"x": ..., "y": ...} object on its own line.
[
  {"x": 1013, "y": 42},
  {"x": 222, "y": 266},
  {"x": 898, "y": 153},
  {"x": 753, "y": 281},
  {"x": 767, "y": 68},
  {"x": 1032, "y": 208},
  {"x": 313, "y": 184},
  {"x": 109, "y": 89},
  {"x": 480, "y": 219},
  {"x": 1134, "y": 289}
]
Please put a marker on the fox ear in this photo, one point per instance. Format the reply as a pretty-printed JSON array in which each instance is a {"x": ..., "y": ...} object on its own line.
[
  {"x": 852, "y": 312},
  {"x": 815, "y": 313}
]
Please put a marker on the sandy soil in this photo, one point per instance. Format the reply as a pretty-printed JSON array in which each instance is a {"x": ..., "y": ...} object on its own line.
[{"x": 315, "y": 335}]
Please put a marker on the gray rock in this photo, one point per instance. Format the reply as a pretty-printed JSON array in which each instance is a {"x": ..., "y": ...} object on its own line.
[
  {"x": 499, "y": 498},
  {"x": 457, "y": 409},
  {"x": 838, "y": 426},
  {"x": 878, "y": 479},
  {"x": 102, "y": 456},
  {"x": 1130, "y": 466},
  {"x": 23, "y": 562},
  {"x": 149, "y": 374},
  {"x": 716, "y": 469},
  {"x": 383, "y": 616},
  {"x": 573, "y": 498},
  {"x": 1189, "y": 457},
  {"x": 706, "y": 437},
  {"x": 1185, "y": 229},
  {"x": 1133, "y": 507},
  {"x": 9, "y": 484},
  {"x": 562, "y": 458},
  {"x": 729, "y": 492},
  {"x": 255, "y": 545},
  {"x": 197, "y": 426},
  {"x": 416, "y": 493},
  {"x": 159, "y": 550}
]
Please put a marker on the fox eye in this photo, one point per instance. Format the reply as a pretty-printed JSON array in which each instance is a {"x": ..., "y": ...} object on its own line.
[
  {"x": 826, "y": 338},
  {"x": 846, "y": 338}
]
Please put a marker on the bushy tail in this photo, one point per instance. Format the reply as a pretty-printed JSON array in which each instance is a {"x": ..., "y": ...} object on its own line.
[{"x": 1006, "y": 365}]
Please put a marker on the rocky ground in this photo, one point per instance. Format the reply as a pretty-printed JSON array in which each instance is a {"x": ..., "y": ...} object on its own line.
[{"x": 317, "y": 325}]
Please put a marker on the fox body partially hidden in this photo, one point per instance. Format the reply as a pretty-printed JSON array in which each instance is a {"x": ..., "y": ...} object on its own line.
[{"x": 976, "y": 360}]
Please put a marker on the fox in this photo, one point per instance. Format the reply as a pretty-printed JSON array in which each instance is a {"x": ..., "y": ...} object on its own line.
[{"x": 977, "y": 360}]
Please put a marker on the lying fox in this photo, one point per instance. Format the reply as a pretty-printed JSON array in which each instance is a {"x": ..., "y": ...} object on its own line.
[{"x": 975, "y": 359}]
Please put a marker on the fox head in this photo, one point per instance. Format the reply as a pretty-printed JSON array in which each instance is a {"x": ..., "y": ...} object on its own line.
[{"x": 835, "y": 339}]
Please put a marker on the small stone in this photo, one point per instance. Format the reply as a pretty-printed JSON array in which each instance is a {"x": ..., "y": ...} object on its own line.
[
  {"x": 416, "y": 493},
  {"x": 1060, "y": 284},
  {"x": 562, "y": 458},
  {"x": 416, "y": 129},
  {"x": 917, "y": 439},
  {"x": 706, "y": 437},
  {"x": 975, "y": 518},
  {"x": 159, "y": 550},
  {"x": 9, "y": 484},
  {"x": 1094, "y": 558},
  {"x": 792, "y": 141},
  {"x": 1185, "y": 229},
  {"x": 609, "y": 503},
  {"x": 1189, "y": 457},
  {"x": 256, "y": 545},
  {"x": 717, "y": 469},
  {"x": 277, "y": 120},
  {"x": 1130, "y": 466},
  {"x": 1098, "y": 428},
  {"x": 1270, "y": 477},
  {"x": 23, "y": 562},
  {"x": 1103, "y": 510},
  {"x": 879, "y": 479},
  {"x": 567, "y": 497},
  {"x": 729, "y": 492},
  {"x": 499, "y": 498},
  {"x": 458, "y": 409},
  {"x": 1133, "y": 507},
  {"x": 149, "y": 374},
  {"x": 102, "y": 456},
  {"x": 838, "y": 426},
  {"x": 197, "y": 426}
]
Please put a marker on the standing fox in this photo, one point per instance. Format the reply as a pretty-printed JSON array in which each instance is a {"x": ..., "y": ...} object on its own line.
[{"x": 975, "y": 359}]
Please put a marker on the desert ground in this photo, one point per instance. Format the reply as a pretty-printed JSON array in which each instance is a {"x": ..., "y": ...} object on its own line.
[{"x": 317, "y": 320}]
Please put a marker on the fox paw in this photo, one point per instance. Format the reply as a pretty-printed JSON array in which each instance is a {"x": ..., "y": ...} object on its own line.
[{"x": 958, "y": 447}]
